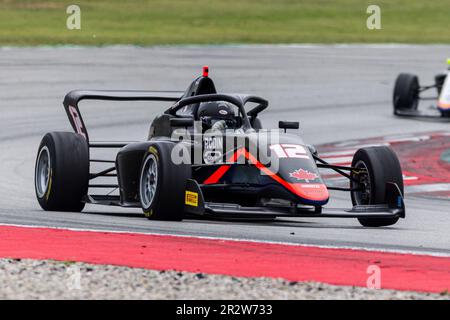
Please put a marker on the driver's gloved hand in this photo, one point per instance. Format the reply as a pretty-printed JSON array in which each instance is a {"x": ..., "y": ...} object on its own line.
[
  {"x": 312, "y": 149},
  {"x": 219, "y": 126}
]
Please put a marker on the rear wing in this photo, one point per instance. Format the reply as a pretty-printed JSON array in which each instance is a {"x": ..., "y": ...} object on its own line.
[{"x": 73, "y": 98}]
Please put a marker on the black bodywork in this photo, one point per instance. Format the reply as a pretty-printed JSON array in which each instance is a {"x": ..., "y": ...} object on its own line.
[{"x": 242, "y": 191}]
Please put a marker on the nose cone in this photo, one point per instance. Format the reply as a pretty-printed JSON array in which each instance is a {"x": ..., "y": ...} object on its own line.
[{"x": 311, "y": 192}]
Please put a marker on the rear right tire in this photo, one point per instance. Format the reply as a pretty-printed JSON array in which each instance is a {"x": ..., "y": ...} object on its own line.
[
  {"x": 406, "y": 92},
  {"x": 62, "y": 172}
]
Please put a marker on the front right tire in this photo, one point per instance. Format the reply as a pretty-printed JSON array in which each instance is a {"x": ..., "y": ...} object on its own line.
[{"x": 377, "y": 166}]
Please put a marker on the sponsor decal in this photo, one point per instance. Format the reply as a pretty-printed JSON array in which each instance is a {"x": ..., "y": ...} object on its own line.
[
  {"x": 49, "y": 186},
  {"x": 153, "y": 150},
  {"x": 303, "y": 175},
  {"x": 191, "y": 198},
  {"x": 148, "y": 213},
  {"x": 212, "y": 146},
  {"x": 211, "y": 157},
  {"x": 213, "y": 142},
  {"x": 311, "y": 186}
]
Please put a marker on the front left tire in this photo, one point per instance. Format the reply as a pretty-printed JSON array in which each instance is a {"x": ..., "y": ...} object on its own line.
[{"x": 162, "y": 183}]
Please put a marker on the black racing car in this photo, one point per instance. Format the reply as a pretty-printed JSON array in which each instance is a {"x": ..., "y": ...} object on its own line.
[
  {"x": 208, "y": 155},
  {"x": 408, "y": 93}
]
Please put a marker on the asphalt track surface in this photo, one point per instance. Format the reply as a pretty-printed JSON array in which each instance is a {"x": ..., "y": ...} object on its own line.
[{"x": 336, "y": 92}]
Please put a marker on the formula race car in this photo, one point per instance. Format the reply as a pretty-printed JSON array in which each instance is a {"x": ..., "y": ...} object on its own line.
[
  {"x": 208, "y": 155},
  {"x": 408, "y": 93}
]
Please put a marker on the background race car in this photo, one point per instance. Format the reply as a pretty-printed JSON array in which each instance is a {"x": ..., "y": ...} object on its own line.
[{"x": 408, "y": 93}]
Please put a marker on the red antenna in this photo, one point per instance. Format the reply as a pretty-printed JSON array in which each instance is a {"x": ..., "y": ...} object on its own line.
[{"x": 205, "y": 71}]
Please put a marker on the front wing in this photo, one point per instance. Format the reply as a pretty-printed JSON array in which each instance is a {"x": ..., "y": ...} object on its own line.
[
  {"x": 196, "y": 205},
  {"x": 430, "y": 113}
]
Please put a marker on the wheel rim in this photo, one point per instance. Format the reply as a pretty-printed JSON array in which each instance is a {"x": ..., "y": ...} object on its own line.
[
  {"x": 149, "y": 181},
  {"x": 362, "y": 197},
  {"x": 42, "y": 178}
]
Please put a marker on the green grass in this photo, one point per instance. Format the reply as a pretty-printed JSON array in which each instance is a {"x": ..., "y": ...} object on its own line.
[{"x": 150, "y": 22}]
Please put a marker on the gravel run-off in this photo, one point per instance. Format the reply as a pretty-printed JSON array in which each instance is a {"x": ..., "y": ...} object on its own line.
[{"x": 33, "y": 279}]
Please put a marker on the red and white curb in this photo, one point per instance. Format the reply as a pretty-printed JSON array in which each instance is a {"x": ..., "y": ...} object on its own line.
[
  {"x": 348, "y": 267},
  {"x": 425, "y": 172}
]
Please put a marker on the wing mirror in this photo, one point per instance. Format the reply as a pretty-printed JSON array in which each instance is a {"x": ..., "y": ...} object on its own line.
[{"x": 288, "y": 125}]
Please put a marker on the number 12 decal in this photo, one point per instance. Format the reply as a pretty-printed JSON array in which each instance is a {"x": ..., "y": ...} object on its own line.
[{"x": 289, "y": 151}]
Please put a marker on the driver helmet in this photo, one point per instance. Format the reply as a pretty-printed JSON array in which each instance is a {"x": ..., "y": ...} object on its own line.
[{"x": 218, "y": 114}]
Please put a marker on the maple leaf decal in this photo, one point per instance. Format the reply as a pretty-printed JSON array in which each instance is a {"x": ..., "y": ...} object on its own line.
[{"x": 303, "y": 175}]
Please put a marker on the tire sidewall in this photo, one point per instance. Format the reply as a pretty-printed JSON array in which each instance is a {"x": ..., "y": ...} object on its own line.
[
  {"x": 149, "y": 210},
  {"x": 46, "y": 199}
]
